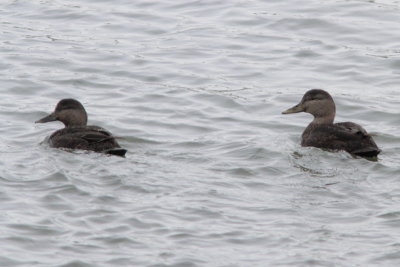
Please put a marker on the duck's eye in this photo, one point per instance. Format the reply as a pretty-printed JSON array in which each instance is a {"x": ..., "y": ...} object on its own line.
[
  {"x": 65, "y": 106},
  {"x": 315, "y": 98}
]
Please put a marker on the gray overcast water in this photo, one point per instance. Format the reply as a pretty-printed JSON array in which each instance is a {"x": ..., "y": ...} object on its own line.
[{"x": 215, "y": 175}]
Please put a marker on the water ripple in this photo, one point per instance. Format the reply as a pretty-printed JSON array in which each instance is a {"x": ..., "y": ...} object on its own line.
[{"x": 195, "y": 91}]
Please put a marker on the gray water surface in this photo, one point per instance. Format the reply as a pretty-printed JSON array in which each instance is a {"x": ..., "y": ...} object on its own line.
[{"x": 215, "y": 175}]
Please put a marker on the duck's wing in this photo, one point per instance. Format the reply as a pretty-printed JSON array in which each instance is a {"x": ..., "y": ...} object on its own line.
[
  {"x": 352, "y": 128},
  {"x": 102, "y": 140},
  {"x": 88, "y": 138},
  {"x": 96, "y": 134},
  {"x": 91, "y": 134},
  {"x": 347, "y": 136}
]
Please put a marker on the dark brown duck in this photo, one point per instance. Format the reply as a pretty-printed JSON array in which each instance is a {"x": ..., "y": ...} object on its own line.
[
  {"x": 78, "y": 135},
  {"x": 323, "y": 133}
]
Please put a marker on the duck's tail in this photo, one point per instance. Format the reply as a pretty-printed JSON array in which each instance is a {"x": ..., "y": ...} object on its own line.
[
  {"x": 367, "y": 152},
  {"x": 116, "y": 152}
]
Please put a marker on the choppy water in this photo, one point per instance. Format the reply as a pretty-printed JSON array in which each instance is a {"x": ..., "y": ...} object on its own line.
[{"x": 215, "y": 175}]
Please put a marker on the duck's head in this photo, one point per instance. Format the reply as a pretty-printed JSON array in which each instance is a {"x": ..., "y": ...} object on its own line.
[
  {"x": 317, "y": 102},
  {"x": 68, "y": 111}
]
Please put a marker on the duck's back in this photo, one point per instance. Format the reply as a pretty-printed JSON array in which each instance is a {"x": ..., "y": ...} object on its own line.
[
  {"x": 347, "y": 136},
  {"x": 92, "y": 138}
]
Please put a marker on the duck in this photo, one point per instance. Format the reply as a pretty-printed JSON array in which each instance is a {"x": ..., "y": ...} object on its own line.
[
  {"x": 323, "y": 133},
  {"x": 77, "y": 134}
]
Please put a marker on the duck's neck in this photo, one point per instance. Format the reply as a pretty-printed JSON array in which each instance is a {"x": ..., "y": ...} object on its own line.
[
  {"x": 323, "y": 120},
  {"x": 74, "y": 118},
  {"x": 73, "y": 124},
  {"x": 323, "y": 112}
]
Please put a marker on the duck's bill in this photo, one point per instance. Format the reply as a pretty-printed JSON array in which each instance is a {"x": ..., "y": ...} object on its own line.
[
  {"x": 296, "y": 109},
  {"x": 48, "y": 118}
]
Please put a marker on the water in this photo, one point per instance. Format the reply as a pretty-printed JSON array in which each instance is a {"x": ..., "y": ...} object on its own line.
[{"x": 215, "y": 175}]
